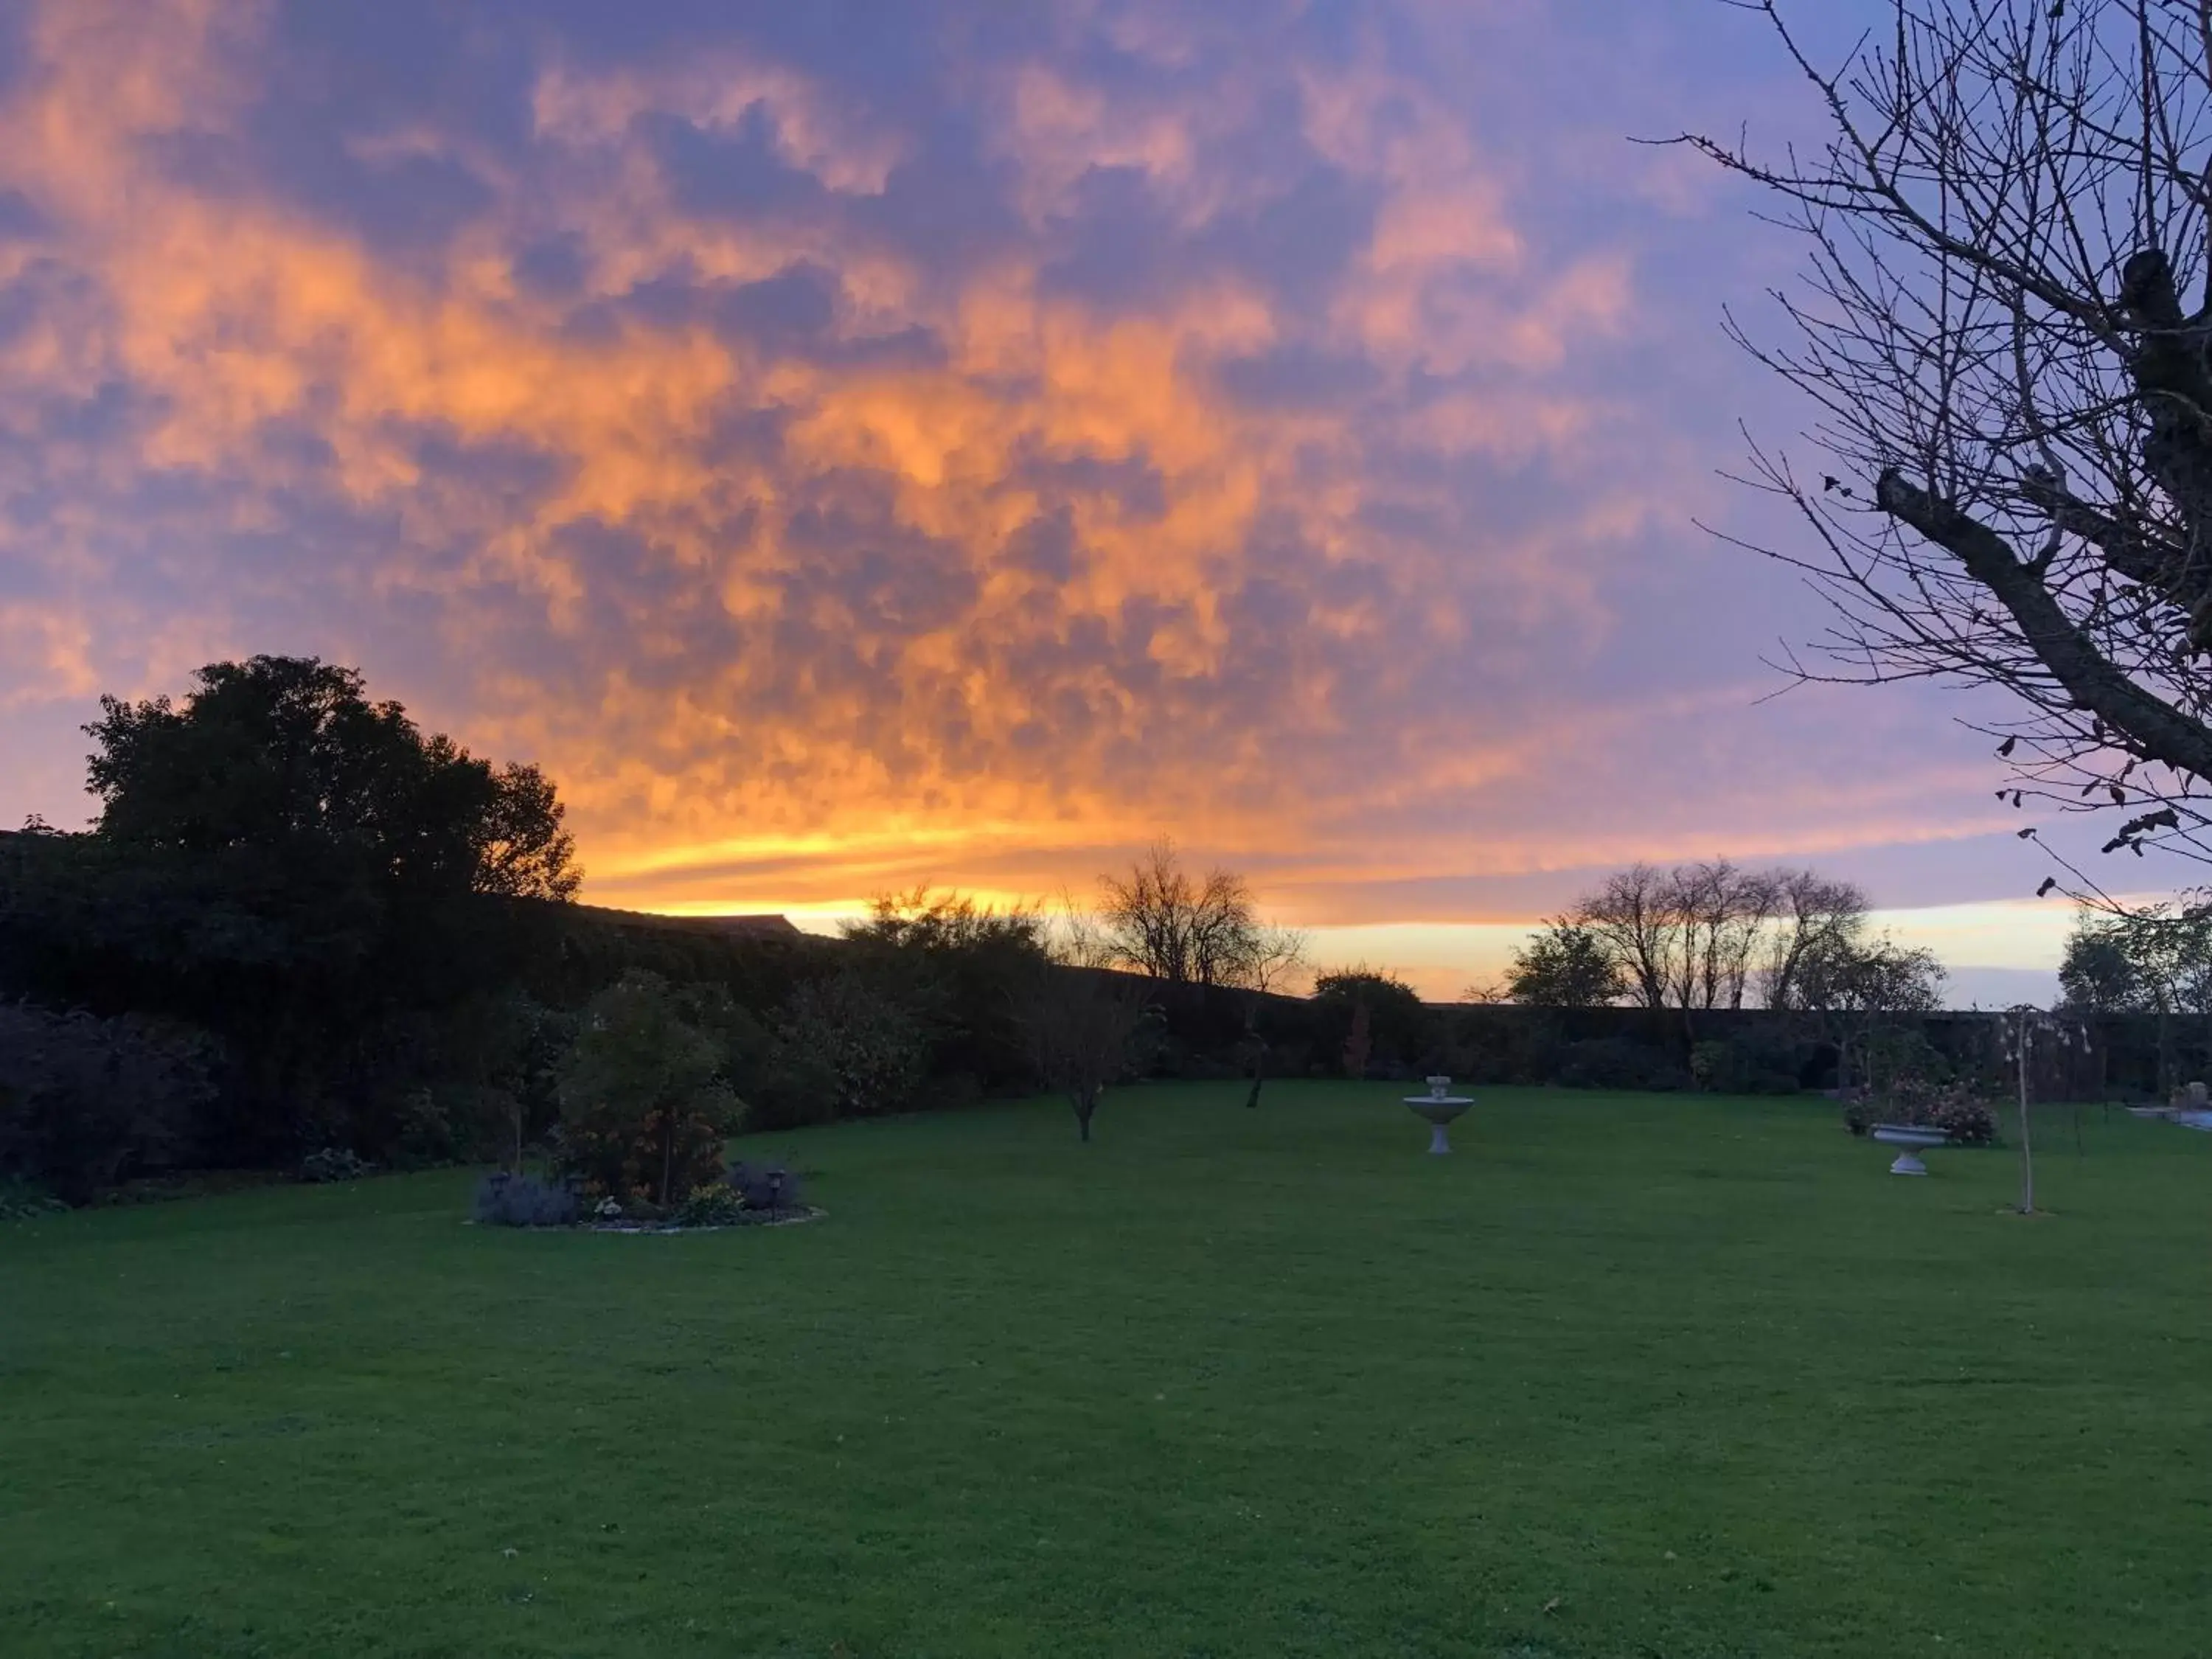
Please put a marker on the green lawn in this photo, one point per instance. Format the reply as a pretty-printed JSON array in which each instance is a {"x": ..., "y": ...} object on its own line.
[{"x": 1628, "y": 1376}]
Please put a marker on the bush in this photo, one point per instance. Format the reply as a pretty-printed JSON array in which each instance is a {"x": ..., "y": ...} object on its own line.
[
  {"x": 644, "y": 1107},
  {"x": 332, "y": 1164},
  {"x": 790, "y": 1087},
  {"x": 85, "y": 1103},
  {"x": 769, "y": 1187},
  {"x": 1964, "y": 1119},
  {"x": 1374, "y": 1023},
  {"x": 714, "y": 1206},
  {"x": 875, "y": 1049},
  {"x": 22, "y": 1201},
  {"x": 1968, "y": 1121},
  {"x": 509, "y": 1200},
  {"x": 1617, "y": 1063},
  {"x": 1744, "y": 1066}
]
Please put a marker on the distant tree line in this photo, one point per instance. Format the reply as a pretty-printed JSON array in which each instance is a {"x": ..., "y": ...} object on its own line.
[{"x": 303, "y": 933}]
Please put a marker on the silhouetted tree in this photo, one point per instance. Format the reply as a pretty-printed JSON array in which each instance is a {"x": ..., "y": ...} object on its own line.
[
  {"x": 1702, "y": 936},
  {"x": 1856, "y": 988},
  {"x": 298, "y": 870},
  {"x": 2147, "y": 958},
  {"x": 1166, "y": 924},
  {"x": 1079, "y": 1023},
  {"x": 1811, "y": 913},
  {"x": 2013, "y": 384},
  {"x": 955, "y": 965},
  {"x": 1278, "y": 957}
]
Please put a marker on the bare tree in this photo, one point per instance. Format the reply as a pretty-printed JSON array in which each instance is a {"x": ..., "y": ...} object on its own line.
[
  {"x": 1634, "y": 913},
  {"x": 1277, "y": 958},
  {"x": 1812, "y": 912},
  {"x": 1077, "y": 1018},
  {"x": 2014, "y": 395},
  {"x": 1166, "y": 924},
  {"x": 1684, "y": 938},
  {"x": 1078, "y": 1022},
  {"x": 1722, "y": 912}
]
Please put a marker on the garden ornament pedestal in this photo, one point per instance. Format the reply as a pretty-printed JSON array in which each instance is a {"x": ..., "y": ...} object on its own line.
[
  {"x": 1440, "y": 1107},
  {"x": 1910, "y": 1140}
]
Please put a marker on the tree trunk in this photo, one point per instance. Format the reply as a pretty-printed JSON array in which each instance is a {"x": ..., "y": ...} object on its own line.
[
  {"x": 1085, "y": 1105},
  {"x": 2165, "y": 1085},
  {"x": 667, "y": 1155}
]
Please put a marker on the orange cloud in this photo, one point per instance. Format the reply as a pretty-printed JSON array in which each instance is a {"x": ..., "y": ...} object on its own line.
[{"x": 837, "y": 487}]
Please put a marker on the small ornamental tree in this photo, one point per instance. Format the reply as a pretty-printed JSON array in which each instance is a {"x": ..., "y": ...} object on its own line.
[
  {"x": 1358, "y": 1041},
  {"x": 1078, "y": 1023},
  {"x": 643, "y": 1106}
]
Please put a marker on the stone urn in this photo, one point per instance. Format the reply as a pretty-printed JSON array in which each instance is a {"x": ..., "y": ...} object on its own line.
[
  {"x": 1910, "y": 1140},
  {"x": 1440, "y": 1106}
]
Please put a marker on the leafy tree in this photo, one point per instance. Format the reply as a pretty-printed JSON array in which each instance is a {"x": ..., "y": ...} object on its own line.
[
  {"x": 2153, "y": 958},
  {"x": 1566, "y": 966},
  {"x": 644, "y": 1107},
  {"x": 285, "y": 758},
  {"x": 297, "y": 869},
  {"x": 1859, "y": 989},
  {"x": 2098, "y": 974}
]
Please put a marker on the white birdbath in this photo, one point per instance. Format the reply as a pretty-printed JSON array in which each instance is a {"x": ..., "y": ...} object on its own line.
[
  {"x": 1440, "y": 1106},
  {"x": 1910, "y": 1140}
]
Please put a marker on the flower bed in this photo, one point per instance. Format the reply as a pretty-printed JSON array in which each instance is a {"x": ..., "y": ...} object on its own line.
[{"x": 745, "y": 1198}]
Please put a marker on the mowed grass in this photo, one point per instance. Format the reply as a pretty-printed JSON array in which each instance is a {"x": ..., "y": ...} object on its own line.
[{"x": 1627, "y": 1376}]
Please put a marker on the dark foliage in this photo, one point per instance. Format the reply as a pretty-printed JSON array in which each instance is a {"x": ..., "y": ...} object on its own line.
[
  {"x": 1618, "y": 1063},
  {"x": 332, "y": 1164},
  {"x": 1377, "y": 1023},
  {"x": 644, "y": 1098},
  {"x": 1080, "y": 1024},
  {"x": 503, "y": 1199},
  {"x": 86, "y": 1102},
  {"x": 765, "y": 1187},
  {"x": 710, "y": 1206},
  {"x": 875, "y": 1046},
  {"x": 1750, "y": 1063},
  {"x": 1568, "y": 965},
  {"x": 24, "y": 1200},
  {"x": 303, "y": 873},
  {"x": 953, "y": 968}
]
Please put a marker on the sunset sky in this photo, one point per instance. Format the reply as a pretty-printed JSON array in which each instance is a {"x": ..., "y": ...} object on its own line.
[{"x": 856, "y": 444}]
